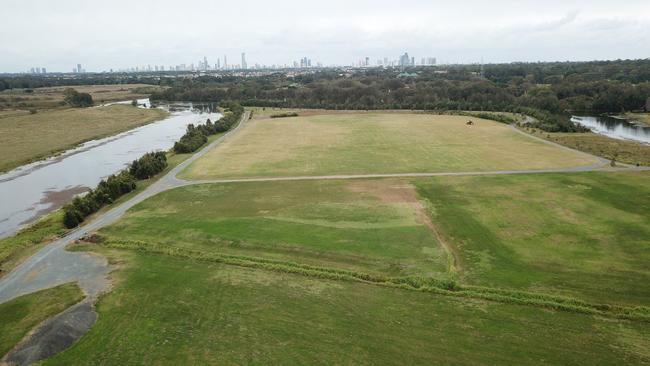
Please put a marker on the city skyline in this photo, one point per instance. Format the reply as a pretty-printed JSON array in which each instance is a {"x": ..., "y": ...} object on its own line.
[{"x": 104, "y": 36}]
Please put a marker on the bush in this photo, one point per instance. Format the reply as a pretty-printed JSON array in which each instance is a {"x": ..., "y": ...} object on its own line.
[
  {"x": 76, "y": 99},
  {"x": 284, "y": 115},
  {"x": 148, "y": 165},
  {"x": 107, "y": 191},
  {"x": 196, "y": 136}
]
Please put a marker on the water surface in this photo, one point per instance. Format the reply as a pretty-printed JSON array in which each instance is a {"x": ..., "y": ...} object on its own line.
[{"x": 616, "y": 128}]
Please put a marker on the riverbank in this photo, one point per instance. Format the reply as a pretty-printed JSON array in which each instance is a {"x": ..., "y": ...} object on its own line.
[
  {"x": 623, "y": 151},
  {"x": 15, "y": 249},
  {"x": 31, "y": 137},
  {"x": 640, "y": 118}
]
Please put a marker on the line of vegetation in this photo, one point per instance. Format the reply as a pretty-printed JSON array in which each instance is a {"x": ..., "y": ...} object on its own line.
[
  {"x": 439, "y": 286},
  {"x": 197, "y": 136},
  {"x": 113, "y": 187},
  {"x": 284, "y": 115}
]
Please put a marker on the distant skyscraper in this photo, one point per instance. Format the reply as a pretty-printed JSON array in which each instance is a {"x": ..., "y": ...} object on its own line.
[
  {"x": 225, "y": 61},
  {"x": 44, "y": 70},
  {"x": 218, "y": 66},
  {"x": 79, "y": 68},
  {"x": 243, "y": 61},
  {"x": 404, "y": 60},
  {"x": 205, "y": 63}
]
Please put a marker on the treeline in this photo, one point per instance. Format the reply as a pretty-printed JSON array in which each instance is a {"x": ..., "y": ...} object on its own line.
[
  {"x": 51, "y": 80},
  {"x": 197, "y": 136},
  {"x": 550, "y": 92},
  {"x": 113, "y": 187}
]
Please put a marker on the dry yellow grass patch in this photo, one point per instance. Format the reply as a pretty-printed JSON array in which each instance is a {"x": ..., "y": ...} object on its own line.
[
  {"x": 365, "y": 143},
  {"x": 29, "y": 137}
]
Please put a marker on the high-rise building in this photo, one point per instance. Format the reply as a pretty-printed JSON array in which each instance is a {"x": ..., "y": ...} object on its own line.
[
  {"x": 404, "y": 60},
  {"x": 205, "y": 63},
  {"x": 243, "y": 61},
  {"x": 43, "y": 70},
  {"x": 79, "y": 68},
  {"x": 218, "y": 65},
  {"x": 225, "y": 61}
]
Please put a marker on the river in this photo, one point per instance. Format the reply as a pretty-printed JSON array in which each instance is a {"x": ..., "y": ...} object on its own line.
[
  {"x": 616, "y": 128},
  {"x": 33, "y": 190}
]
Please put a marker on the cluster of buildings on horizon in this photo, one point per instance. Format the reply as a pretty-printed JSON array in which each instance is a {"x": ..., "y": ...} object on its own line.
[{"x": 222, "y": 64}]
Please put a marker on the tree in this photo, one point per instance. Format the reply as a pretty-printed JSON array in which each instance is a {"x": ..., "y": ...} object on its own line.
[
  {"x": 647, "y": 105},
  {"x": 76, "y": 99}
]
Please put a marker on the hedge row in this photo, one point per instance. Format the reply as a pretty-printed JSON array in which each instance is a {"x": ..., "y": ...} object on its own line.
[{"x": 425, "y": 284}]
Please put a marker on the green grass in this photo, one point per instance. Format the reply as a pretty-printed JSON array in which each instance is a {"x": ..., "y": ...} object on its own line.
[
  {"x": 363, "y": 143},
  {"x": 375, "y": 226},
  {"x": 25, "y": 138},
  {"x": 16, "y": 248},
  {"x": 585, "y": 235},
  {"x": 170, "y": 311},
  {"x": 19, "y": 316}
]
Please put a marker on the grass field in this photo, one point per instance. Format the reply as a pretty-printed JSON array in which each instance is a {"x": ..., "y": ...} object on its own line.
[
  {"x": 29, "y": 137},
  {"x": 39, "y": 99},
  {"x": 586, "y": 235},
  {"x": 167, "y": 311},
  {"x": 20, "y": 315},
  {"x": 374, "y": 226},
  {"x": 625, "y": 151},
  {"x": 361, "y": 143}
]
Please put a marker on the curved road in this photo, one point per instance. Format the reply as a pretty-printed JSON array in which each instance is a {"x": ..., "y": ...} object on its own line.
[{"x": 53, "y": 265}]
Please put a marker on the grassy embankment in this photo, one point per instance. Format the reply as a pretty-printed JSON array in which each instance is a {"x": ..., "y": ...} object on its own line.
[
  {"x": 624, "y": 151},
  {"x": 30, "y": 137},
  {"x": 19, "y": 316},
  {"x": 363, "y": 143},
  {"x": 173, "y": 311}
]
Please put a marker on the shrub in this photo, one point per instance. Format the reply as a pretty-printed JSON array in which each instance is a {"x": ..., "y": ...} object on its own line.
[
  {"x": 76, "y": 99},
  {"x": 148, "y": 165},
  {"x": 284, "y": 115}
]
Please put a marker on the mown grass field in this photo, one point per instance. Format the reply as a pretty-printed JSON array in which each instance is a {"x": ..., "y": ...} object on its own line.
[
  {"x": 374, "y": 226},
  {"x": 19, "y": 316},
  {"x": 586, "y": 235},
  {"x": 25, "y": 138},
  {"x": 362, "y": 143}
]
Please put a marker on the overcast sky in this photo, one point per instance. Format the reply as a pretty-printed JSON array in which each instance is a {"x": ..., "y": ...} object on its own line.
[{"x": 123, "y": 33}]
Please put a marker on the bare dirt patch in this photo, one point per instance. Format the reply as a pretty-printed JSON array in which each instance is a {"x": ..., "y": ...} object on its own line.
[{"x": 399, "y": 191}]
